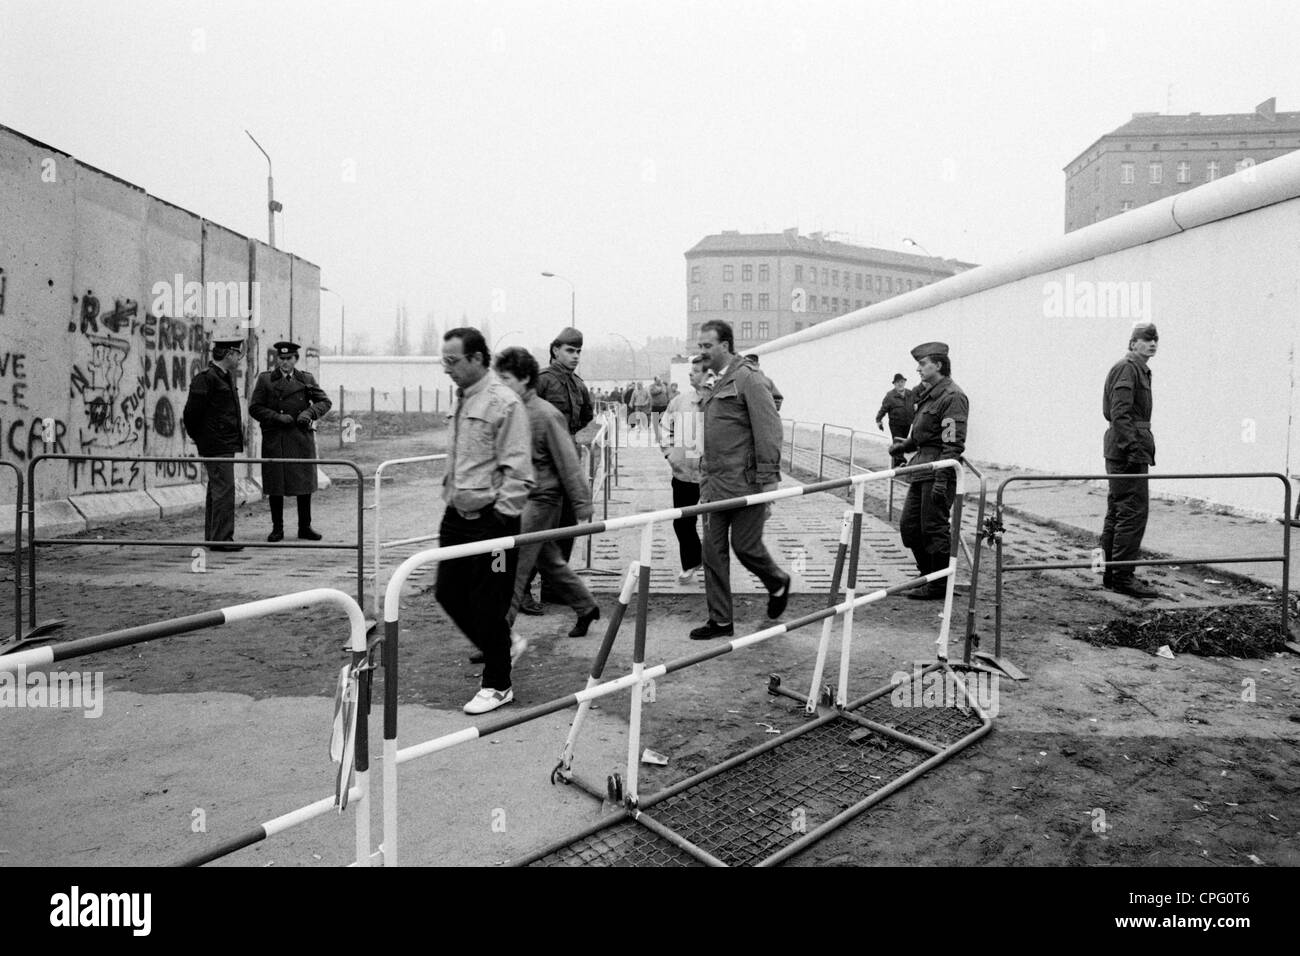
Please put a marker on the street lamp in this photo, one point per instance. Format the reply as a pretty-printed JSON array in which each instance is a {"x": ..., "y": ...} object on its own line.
[
  {"x": 573, "y": 298},
  {"x": 929, "y": 265},
  {"x": 630, "y": 349},
  {"x": 496, "y": 347},
  {"x": 272, "y": 207},
  {"x": 343, "y": 315}
]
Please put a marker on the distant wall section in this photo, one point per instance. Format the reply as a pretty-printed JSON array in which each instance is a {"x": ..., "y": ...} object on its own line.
[{"x": 109, "y": 301}]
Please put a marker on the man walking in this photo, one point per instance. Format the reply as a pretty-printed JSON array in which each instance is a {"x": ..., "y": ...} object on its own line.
[
  {"x": 212, "y": 421},
  {"x": 489, "y": 474},
  {"x": 900, "y": 405},
  {"x": 287, "y": 402},
  {"x": 1130, "y": 449},
  {"x": 561, "y": 385},
  {"x": 680, "y": 442},
  {"x": 938, "y": 431},
  {"x": 742, "y": 456}
]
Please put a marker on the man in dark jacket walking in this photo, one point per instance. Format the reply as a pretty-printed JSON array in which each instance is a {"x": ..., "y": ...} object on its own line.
[
  {"x": 561, "y": 385},
  {"x": 1130, "y": 449},
  {"x": 213, "y": 422},
  {"x": 286, "y": 402},
  {"x": 938, "y": 431},
  {"x": 900, "y": 405}
]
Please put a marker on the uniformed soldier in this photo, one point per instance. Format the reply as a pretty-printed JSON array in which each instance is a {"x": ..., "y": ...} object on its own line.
[
  {"x": 213, "y": 422},
  {"x": 1130, "y": 449},
  {"x": 938, "y": 431},
  {"x": 287, "y": 402}
]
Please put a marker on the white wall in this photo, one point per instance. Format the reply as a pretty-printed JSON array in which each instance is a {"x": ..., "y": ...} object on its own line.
[{"x": 1219, "y": 264}]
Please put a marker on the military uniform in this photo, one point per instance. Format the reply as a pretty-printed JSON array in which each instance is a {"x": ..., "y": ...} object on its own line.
[
  {"x": 565, "y": 389},
  {"x": 1130, "y": 449},
  {"x": 938, "y": 431},
  {"x": 213, "y": 422},
  {"x": 285, "y": 405},
  {"x": 901, "y": 409}
]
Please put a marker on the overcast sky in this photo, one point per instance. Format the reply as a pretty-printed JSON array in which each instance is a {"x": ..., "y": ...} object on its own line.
[{"x": 435, "y": 153}]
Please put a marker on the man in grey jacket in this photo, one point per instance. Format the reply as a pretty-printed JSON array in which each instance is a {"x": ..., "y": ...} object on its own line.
[{"x": 742, "y": 456}]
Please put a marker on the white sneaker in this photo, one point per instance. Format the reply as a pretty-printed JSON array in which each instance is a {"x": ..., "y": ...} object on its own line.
[
  {"x": 687, "y": 576},
  {"x": 488, "y": 699},
  {"x": 517, "y": 647}
]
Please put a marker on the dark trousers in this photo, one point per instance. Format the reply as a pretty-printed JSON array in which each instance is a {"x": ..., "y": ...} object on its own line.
[
  {"x": 1127, "y": 506},
  {"x": 219, "y": 505},
  {"x": 475, "y": 591},
  {"x": 744, "y": 528},
  {"x": 686, "y": 493},
  {"x": 277, "y": 512},
  {"x": 924, "y": 526},
  {"x": 548, "y": 561}
]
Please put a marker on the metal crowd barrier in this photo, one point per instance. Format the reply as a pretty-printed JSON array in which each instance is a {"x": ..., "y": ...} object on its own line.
[
  {"x": 358, "y": 794},
  {"x": 18, "y": 553},
  {"x": 33, "y": 540},
  {"x": 1101, "y": 564},
  {"x": 639, "y": 574},
  {"x": 380, "y": 545}
]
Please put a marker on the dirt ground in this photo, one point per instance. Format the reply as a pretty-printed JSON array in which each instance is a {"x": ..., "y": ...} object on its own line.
[{"x": 1105, "y": 756}]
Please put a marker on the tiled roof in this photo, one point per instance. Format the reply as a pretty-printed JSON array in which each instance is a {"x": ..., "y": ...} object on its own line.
[
  {"x": 1244, "y": 124},
  {"x": 792, "y": 243}
]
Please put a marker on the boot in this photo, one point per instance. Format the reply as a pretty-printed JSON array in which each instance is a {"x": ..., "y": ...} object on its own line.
[
  {"x": 277, "y": 519},
  {"x": 305, "y": 532},
  {"x": 933, "y": 590}
]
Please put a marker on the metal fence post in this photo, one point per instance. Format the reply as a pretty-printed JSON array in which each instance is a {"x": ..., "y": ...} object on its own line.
[
  {"x": 403, "y": 399},
  {"x": 372, "y": 398},
  {"x": 419, "y": 398},
  {"x": 852, "y": 433},
  {"x": 821, "y": 453}
]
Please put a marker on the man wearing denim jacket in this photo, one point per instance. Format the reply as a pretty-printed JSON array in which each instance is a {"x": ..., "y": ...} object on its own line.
[{"x": 489, "y": 474}]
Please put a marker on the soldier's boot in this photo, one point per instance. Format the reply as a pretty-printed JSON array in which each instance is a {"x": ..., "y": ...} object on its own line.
[
  {"x": 277, "y": 519},
  {"x": 305, "y": 531}
]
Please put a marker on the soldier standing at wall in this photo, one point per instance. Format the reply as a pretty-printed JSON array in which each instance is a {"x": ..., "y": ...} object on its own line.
[
  {"x": 286, "y": 402},
  {"x": 212, "y": 421}
]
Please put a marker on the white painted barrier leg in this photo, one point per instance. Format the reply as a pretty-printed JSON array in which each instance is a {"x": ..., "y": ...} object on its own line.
[{"x": 823, "y": 645}]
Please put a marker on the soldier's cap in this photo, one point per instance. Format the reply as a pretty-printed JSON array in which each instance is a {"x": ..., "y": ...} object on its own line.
[
  {"x": 285, "y": 349},
  {"x": 228, "y": 344},
  {"x": 899, "y": 377},
  {"x": 568, "y": 336},
  {"x": 929, "y": 348},
  {"x": 1145, "y": 330}
]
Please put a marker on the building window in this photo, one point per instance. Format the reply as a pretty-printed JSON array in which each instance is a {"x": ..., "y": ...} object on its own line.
[
  {"x": 746, "y": 330},
  {"x": 695, "y": 332},
  {"x": 889, "y": 284},
  {"x": 859, "y": 304},
  {"x": 1184, "y": 172},
  {"x": 1211, "y": 171},
  {"x": 798, "y": 326},
  {"x": 909, "y": 285},
  {"x": 727, "y": 299},
  {"x": 879, "y": 283},
  {"x": 826, "y": 304},
  {"x": 695, "y": 303},
  {"x": 695, "y": 273},
  {"x": 762, "y": 330},
  {"x": 835, "y": 277},
  {"x": 764, "y": 302},
  {"x": 746, "y": 302},
  {"x": 1155, "y": 173},
  {"x": 858, "y": 279},
  {"x": 798, "y": 273},
  {"x": 825, "y": 281},
  {"x": 728, "y": 273},
  {"x": 1126, "y": 205},
  {"x": 747, "y": 273},
  {"x": 763, "y": 275},
  {"x": 1126, "y": 173},
  {"x": 835, "y": 305}
]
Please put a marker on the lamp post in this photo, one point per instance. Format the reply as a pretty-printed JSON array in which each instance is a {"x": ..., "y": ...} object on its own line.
[
  {"x": 573, "y": 298},
  {"x": 343, "y": 315},
  {"x": 630, "y": 349},
  {"x": 272, "y": 207},
  {"x": 929, "y": 265}
]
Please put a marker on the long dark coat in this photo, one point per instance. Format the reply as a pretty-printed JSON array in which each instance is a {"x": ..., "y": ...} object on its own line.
[{"x": 290, "y": 395}]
